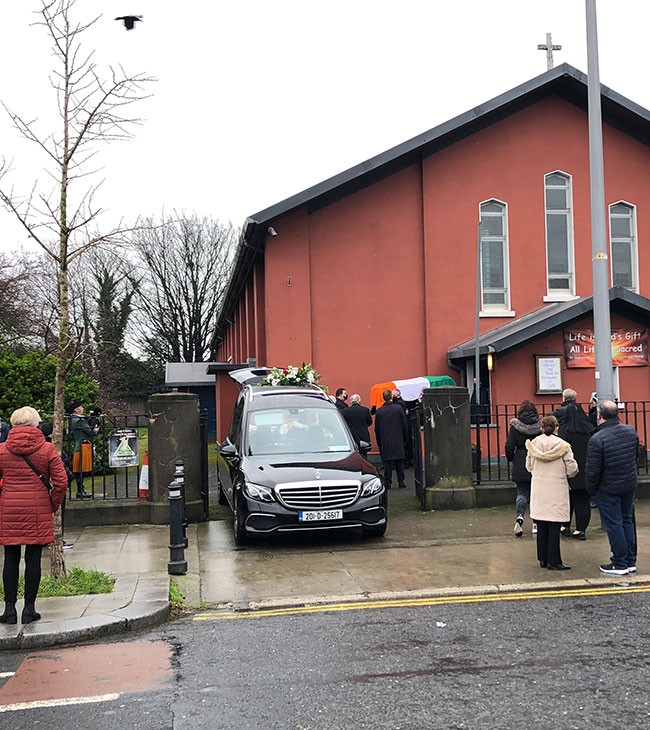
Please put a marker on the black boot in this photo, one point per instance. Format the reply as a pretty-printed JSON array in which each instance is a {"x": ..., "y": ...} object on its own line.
[
  {"x": 29, "y": 613},
  {"x": 9, "y": 616}
]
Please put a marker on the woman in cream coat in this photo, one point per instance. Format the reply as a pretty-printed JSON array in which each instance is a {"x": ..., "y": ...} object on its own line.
[{"x": 550, "y": 461}]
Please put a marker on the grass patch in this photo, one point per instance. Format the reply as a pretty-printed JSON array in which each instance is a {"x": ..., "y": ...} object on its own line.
[
  {"x": 78, "y": 582},
  {"x": 176, "y": 600},
  {"x": 176, "y": 597}
]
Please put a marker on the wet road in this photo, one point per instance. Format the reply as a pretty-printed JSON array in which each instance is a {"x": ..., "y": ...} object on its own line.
[{"x": 572, "y": 662}]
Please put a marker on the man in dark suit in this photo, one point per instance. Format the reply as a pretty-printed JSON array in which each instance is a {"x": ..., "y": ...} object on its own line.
[
  {"x": 358, "y": 419},
  {"x": 408, "y": 446},
  {"x": 391, "y": 431},
  {"x": 341, "y": 397}
]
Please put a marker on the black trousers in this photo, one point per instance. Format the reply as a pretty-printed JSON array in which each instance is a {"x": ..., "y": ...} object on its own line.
[
  {"x": 548, "y": 542},
  {"x": 388, "y": 471},
  {"x": 580, "y": 500},
  {"x": 32, "y": 572}
]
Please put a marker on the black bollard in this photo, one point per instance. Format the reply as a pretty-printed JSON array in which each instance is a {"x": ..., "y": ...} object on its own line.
[
  {"x": 179, "y": 476},
  {"x": 177, "y": 564}
]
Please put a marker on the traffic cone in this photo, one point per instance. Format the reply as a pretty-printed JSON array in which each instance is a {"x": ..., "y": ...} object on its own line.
[{"x": 143, "y": 486}]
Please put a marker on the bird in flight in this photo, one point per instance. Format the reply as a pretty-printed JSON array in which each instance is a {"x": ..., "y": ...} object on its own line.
[{"x": 129, "y": 20}]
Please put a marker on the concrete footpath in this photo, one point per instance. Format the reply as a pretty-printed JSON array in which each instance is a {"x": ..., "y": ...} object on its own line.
[{"x": 423, "y": 554}]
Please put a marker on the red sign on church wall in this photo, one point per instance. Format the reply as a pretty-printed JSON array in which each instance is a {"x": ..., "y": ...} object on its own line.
[{"x": 629, "y": 348}]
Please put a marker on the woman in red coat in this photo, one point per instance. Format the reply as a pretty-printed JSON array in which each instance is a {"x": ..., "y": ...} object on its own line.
[{"x": 26, "y": 507}]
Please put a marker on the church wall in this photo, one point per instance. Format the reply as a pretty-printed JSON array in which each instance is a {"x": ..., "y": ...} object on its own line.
[
  {"x": 287, "y": 292},
  {"x": 380, "y": 285},
  {"x": 355, "y": 307},
  {"x": 513, "y": 378}
]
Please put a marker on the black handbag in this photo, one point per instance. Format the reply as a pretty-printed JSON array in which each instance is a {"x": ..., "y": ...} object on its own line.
[{"x": 46, "y": 484}]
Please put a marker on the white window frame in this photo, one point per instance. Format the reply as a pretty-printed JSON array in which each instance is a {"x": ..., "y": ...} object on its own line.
[
  {"x": 561, "y": 295},
  {"x": 497, "y": 310},
  {"x": 634, "y": 245}
]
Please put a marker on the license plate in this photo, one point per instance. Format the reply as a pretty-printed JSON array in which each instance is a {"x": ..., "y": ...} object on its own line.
[{"x": 320, "y": 515}]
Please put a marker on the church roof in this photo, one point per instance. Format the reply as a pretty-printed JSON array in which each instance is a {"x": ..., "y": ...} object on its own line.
[
  {"x": 544, "y": 321},
  {"x": 564, "y": 81}
]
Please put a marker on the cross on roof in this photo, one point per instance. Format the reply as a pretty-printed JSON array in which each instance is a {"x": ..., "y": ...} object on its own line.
[{"x": 549, "y": 48}]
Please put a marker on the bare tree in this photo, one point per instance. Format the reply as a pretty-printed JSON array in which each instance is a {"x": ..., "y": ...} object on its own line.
[
  {"x": 92, "y": 108},
  {"x": 16, "y": 309},
  {"x": 185, "y": 265},
  {"x": 35, "y": 297}
]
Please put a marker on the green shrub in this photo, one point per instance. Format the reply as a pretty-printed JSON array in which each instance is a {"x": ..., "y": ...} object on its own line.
[{"x": 28, "y": 380}]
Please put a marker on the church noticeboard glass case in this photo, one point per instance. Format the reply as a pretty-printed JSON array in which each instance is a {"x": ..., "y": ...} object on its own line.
[{"x": 548, "y": 374}]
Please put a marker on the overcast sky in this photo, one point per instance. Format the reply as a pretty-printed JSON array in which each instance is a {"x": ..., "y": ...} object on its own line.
[{"x": 257, "y": 100}]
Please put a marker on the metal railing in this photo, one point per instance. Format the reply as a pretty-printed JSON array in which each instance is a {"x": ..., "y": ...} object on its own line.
[
  {"x": 105, "y": 482},
  {"x": 494, "y": 467}
]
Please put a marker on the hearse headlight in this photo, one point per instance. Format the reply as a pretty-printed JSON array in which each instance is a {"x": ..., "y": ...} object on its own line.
[
  {"x": 374, "y": 486},
  {"x": 259, "y": 493}
]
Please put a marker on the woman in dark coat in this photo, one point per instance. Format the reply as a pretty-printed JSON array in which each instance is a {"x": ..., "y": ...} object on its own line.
[
  {"x": 26, "y": 507},
  {"x": 576, "y": 428},
  {"x": 526, "y": 426}
]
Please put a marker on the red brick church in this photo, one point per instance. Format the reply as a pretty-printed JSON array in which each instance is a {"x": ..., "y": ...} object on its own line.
[{"x": 371, "y": 275}]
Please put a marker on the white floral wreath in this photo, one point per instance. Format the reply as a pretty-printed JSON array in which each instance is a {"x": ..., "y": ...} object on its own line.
[{"x": 292, "y": 375}]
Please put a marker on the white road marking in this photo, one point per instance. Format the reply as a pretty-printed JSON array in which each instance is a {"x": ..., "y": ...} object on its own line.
[
  {"x": 58, "y": 703},
  {"x": 6, "y": 674}
]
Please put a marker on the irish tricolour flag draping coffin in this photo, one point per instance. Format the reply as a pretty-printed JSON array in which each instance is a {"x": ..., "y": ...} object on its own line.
[{"x": 411, "y": 388}]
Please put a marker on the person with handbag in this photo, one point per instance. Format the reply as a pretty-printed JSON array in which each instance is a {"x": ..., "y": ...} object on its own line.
[
  {"x": 82, "y": 453},
  {"x": 34, "y": 482},
  {"x": 47, "y": 429}
]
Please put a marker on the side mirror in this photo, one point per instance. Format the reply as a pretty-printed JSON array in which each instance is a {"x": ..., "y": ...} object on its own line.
[
  {"x": 364, "y": 445},
  {"x": 228, "y": 449}
]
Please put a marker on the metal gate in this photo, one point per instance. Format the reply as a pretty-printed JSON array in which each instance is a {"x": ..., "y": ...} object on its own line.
[{"x": 416, "y": 423}]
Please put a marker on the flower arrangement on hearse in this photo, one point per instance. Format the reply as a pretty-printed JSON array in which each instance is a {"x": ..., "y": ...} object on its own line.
[{"x": 301, "y": 376}]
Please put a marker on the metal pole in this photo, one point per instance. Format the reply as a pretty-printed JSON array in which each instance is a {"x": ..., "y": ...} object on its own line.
[
  {"x": 477, "y": 368},
  {"x": 599, "y": 258},
  {"x": 179, "y": 477},
  {"x": 177, "y": 565}
]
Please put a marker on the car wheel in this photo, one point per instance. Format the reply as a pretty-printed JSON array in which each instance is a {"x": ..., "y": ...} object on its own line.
[
  {"x": 378, "y": 531},
  {"x": 238, "y": 531}
]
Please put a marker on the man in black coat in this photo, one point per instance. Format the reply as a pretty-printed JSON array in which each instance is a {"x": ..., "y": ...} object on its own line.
[
  {"x": 408, "y": 446},
  {"x": 341, "y": 397},
  {"x": 576, "y": 428},
  {"x": 391, "y": 431},
  {"x": 358, "y": 419},
  {"x": 611, "y": 474}
]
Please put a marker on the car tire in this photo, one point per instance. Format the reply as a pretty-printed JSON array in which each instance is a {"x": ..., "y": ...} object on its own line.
[
  {"x": 239, "y": 533},
  {"x": 378, "y": 531}
]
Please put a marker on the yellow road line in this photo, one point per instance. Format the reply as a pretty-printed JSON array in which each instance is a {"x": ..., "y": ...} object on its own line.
[{"x": 431, "y": 601}]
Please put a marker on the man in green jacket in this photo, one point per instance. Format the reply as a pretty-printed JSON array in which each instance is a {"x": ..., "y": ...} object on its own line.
[{"x": 82, "y": 453}]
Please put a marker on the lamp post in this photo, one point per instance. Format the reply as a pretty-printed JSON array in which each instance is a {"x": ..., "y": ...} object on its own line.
[
  {"x": 599, "y": 258},
  {"x": 477, "y": 368}
]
